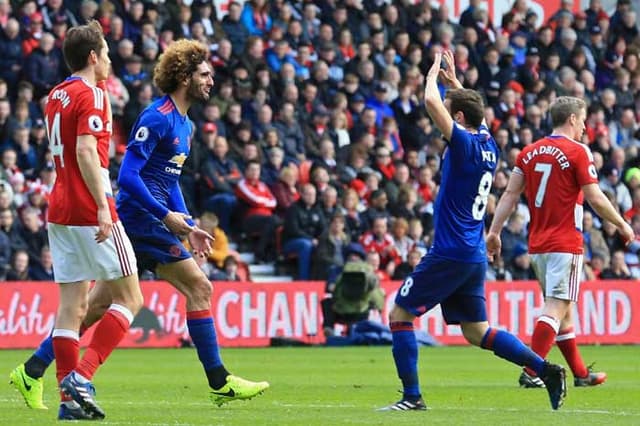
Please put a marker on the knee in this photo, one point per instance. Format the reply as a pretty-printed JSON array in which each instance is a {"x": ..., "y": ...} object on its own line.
[
  {"x": 398, "y": 314},
  {"x": 201, "y": 290},
  {"x": 136, "y": 303},
  {"x": 307, "y": 245},
  {"x": 74, "y": 312}
]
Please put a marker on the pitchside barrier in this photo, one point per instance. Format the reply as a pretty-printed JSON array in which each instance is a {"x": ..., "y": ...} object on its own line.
[{"x": 250, "y": 314}]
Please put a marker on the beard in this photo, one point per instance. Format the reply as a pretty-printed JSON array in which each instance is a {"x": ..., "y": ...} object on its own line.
[{"x": 194, "y": 93}]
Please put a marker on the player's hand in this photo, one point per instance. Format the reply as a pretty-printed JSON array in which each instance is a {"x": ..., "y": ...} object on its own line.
[
  {"x": 104, "y": 224},
  {"x": 448, "y": 74},
  {"x": 200, "y": 241},
  {"x": 494, "y": 246},
  {"x": 627, "y": 234},
  {"x": 435, "y": 67},
  {"x": 177, "y": 223}
]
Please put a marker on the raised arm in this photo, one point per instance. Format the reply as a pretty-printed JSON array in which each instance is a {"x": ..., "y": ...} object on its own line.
[{"x": 435, "y": 107}]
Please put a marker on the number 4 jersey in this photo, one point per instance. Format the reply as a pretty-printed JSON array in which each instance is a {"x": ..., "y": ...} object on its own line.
[
  {"x": 555, "y": 169},
  {"x": 75, "y": 108},
  {"x": 467, "y": 174}
]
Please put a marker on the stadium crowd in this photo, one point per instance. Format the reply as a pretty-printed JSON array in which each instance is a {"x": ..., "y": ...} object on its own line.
[{"x": 316, "y": 143}]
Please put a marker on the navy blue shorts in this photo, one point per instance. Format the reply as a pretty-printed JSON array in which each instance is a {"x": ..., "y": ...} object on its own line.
[
  {"x": 458, "y": 287},
  {"x": 153, "y": 243}
]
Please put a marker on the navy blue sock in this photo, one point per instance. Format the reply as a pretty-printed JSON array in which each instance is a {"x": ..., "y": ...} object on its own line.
[
  {"x": 405, "y": 355},
  {"x": 507, "y": 346},
  {"x": 41, "y": 359},
  {"x": 203, "y": 334}
]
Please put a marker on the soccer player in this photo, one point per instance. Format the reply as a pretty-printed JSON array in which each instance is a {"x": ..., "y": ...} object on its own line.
[
  {"x": 87, "y": 241},
  {"x": 452, "y": 273},
  {"x": 556, "y": 174},
  {"x": 152, "y": 209}
]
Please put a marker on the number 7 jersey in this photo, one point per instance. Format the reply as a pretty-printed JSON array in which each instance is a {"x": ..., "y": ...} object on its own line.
[
  {"x": 555, "y": 169},
  {"x": 75, "y": 108}
]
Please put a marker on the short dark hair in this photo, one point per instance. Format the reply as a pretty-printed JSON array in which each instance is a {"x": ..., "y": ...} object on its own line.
[
  {"x": 79, "y": 42},
  {"x": 470, "y": 103},
  {"x": 563, "y": 107}
]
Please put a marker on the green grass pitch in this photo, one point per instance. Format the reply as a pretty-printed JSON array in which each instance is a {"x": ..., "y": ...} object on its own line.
[{"x": 339, "y": 386}]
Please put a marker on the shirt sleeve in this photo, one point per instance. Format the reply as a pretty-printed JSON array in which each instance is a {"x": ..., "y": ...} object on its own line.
[
  {"x": 176, "y": 202},
  {"x": 585, "y": 169},
  {"x": 91, "y": 112},
  {"x": 459, "y": 143},
  {"x": 146, "y": 133}
]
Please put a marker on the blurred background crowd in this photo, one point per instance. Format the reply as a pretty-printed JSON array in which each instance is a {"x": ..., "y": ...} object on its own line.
[{"x": 315, "y": 146}]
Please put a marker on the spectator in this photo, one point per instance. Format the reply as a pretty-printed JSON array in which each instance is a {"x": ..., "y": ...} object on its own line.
[
  {"x": 220, "y": 246},
  {"x": 133, "y": 75},
  {"x": 44, "y": 66},
  {"x": 315, "y": 131},
  {"x": 43, "y": 270},
  {"x": 259, "y": 205},
  {"x": 19, "y": 270},
  {"x": 229, "y": 270},
  {"x": 520, "y": 264},
  {"x": 236, "y": 31},
  {"x": 612, "y": 183},
  {"x": 399, "y": 179},
  {"x": 380, "y": 241},
  {"x": 329, "y": 203},
  {"x": 33, "y": 34},
  {"x": 33, "y": 234},
  {"x": 5, "y": 249},
  {"x": 330, "y": 254},
  {"x": 618, "y": 269},
  {"x": 11, "y": 61},
  {"x": 290, "y": 132},
  {"x": 593, "y": 240},
  {"x": 305, "y": 223},
  {"x": 220, "y": 174},
  {"x": 405, "y": 268},
  {"x": 274, "y": 165},
  {"x": 511, "y": 236},
  {"x": 54, "y": 9},
  {"x": 285, "y": 189},
  {"x": 255, "y": 17},
  {"x": 401, "y": 240},
  {"x": 377, "y": 208}
]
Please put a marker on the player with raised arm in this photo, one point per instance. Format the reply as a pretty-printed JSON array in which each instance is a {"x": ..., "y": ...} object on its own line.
[
  {"x": 452, "y": 273},
  {"x": 152, "y": 209},
  {"x": 87, "y": 240},
  {"x": 556, "y": 174}
]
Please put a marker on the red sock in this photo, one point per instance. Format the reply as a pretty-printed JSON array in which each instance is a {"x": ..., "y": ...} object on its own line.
[
  {"x": 66, "y": 348},
  {"x": 109, "y": 332},
  {"x": 566, "y": 341},
  {"x": 543, "y": 337}
]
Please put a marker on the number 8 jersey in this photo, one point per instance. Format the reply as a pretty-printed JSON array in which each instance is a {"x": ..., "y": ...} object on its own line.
[
  {"x": 75, "y": 108},
  {"x": 555, "y": 169},
  {"x": 468, "y": 166}
]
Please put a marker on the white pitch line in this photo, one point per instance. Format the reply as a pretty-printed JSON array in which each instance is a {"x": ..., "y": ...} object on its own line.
[
  {"x": 531, "y": 410},
  {"x": 287, "y": 405}
]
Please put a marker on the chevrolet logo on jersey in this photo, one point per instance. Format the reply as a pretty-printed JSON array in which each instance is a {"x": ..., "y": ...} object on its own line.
[{"x": 178, "y": 160}]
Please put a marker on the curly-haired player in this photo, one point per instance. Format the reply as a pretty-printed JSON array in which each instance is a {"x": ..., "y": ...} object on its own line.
[{"x": 153, "y": 211}]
